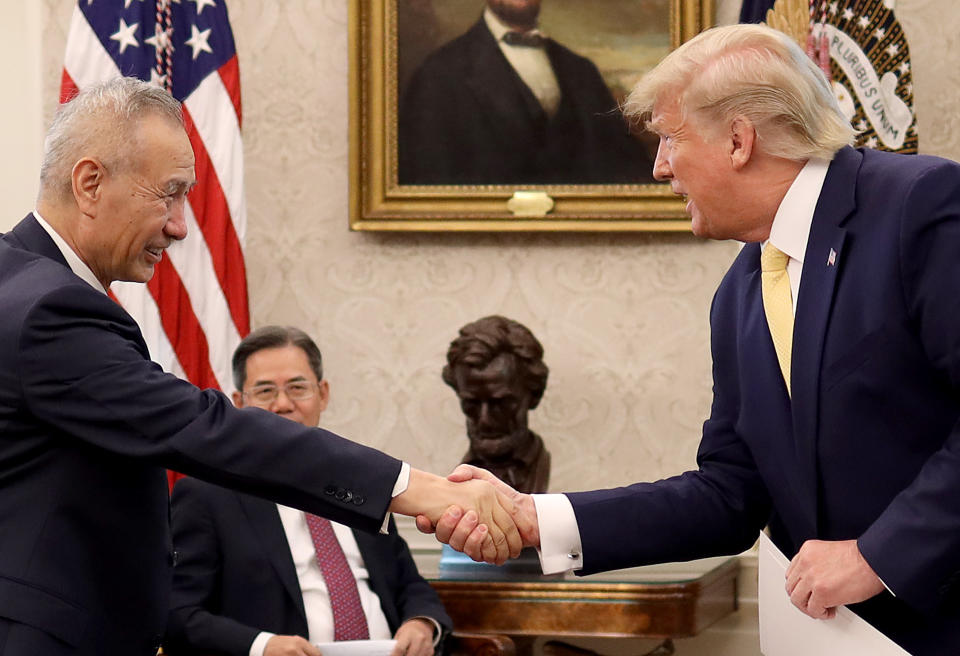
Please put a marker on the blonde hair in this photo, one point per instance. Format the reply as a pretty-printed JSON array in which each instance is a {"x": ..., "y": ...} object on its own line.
[
  {"x": 756, "y": 72},
  {"x": 99, "y": 122}
]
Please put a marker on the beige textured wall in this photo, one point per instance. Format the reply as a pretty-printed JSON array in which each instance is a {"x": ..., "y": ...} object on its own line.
[{"x": 623, "y": 318}]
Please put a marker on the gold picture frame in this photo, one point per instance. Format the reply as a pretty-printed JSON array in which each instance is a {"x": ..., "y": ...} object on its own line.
[{"x": 378, "y": 202}]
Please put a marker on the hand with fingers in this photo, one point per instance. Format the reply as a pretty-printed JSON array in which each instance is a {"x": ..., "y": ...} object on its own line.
[
  {"x": 414, "y": 638},
  {"x": 430, "y": 496},
  {"x": 824, "y": 575},
  {"x": 289, "y": 645},
  {"x": 464, "y": 531}
]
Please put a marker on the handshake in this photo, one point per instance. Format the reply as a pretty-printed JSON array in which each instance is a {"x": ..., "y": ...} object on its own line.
[{"x": 473, "y": 511}]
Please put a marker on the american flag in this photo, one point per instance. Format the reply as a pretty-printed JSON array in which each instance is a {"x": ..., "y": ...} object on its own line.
[{"x": 194, "y": 311}]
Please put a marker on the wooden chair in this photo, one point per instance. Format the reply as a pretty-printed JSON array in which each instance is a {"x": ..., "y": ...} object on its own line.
[{"x": 479, "y": 644}]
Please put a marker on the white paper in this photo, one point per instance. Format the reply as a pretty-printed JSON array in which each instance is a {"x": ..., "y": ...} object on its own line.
[
  {"x": 786, "y": 631},
  {"x": 357, "y": 648}
]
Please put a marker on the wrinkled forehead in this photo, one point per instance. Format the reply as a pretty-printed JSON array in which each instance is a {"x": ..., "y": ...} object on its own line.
[{"x": 667, "y": 113}]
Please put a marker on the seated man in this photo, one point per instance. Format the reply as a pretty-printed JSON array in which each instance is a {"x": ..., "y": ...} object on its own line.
[{"x": 254, "y": 577}]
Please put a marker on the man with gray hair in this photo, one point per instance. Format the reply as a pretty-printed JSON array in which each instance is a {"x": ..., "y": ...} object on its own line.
[
  {"x": 257, "y": 578},
  {"x": 836, "y": 353},
  {"x": 88, "y": 423}
]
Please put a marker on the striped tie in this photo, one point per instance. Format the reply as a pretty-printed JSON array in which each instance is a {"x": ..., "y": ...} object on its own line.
[{"x": 778, "y": 304}]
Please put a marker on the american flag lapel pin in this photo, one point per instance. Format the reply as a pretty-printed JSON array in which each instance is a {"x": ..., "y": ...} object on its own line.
[{"x": 832, "y": 258}]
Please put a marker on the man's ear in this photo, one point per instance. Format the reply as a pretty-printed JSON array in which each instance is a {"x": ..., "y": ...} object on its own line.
[
  {"x": 87, "y": 178},
  {"x": 323, "y": 388},
  {"x": 237, "y": 397},
  {"x": 743, "y": 137}
]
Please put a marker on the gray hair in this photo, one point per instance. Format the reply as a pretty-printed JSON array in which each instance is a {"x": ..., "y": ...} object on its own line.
[
  {"x": 99, "y": 122},
  {"x": 756, "y": 72},
  {"x": 274, "y": 337}
]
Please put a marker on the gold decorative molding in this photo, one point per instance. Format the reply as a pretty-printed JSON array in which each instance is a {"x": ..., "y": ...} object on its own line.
[{"x": 530, "y": 204}]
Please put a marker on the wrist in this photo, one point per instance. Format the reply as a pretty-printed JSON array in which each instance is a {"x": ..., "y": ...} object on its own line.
[{"x": 423, "y": 490}]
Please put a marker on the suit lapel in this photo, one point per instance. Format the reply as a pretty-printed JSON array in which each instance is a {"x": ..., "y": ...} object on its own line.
[
  {"x": 268, "y": 528},
  {"x": 769, "y": 398},
  {"x": 30, "y": 235},
  {"x": 822, "y": 264}
]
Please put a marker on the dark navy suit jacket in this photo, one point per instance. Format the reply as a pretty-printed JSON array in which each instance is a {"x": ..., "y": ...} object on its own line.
[
  {"x": 466, "y": 117},
  {"x": 235, "y": 576},
  {"x": 869, "y": 446},
  {"x": 87, "y": 425}
]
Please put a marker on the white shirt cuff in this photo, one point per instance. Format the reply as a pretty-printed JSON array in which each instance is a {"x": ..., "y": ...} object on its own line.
[
  {"x": 560, "y": 548},
  {"x": 403, "y": 482},
  {"x": 260, "y": 643},
  {"x": 437, "y": 629}
]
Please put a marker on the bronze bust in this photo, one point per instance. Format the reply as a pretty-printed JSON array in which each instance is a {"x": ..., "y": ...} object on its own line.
[{"x": 496, "y": 368}]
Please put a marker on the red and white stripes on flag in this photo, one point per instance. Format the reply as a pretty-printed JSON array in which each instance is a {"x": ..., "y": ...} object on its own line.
[{"x": 195, "y": 310}]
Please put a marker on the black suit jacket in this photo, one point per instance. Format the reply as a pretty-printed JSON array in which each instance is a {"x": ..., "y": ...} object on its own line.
[
  {"x": 868, "y": 447},
  {"x": 235, "y": 577},
  {"x": 466, "y": 117},
  {"x": 87, "y": 425}
]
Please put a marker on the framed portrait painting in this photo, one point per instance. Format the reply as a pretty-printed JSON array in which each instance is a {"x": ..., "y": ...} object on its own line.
[{"x": 504, "y": 114}]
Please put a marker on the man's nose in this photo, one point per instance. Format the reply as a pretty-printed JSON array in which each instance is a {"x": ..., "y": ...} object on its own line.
[
  {"x": 176, "y": 226},
  {"x": 661, "y": 166},
  {"x": 282, "y": 403}
]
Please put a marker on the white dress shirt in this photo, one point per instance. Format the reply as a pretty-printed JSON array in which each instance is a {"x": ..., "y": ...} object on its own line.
[
  {"x": 560, "y": 544},
  {"x": 531, "y": 64},
  {"x": 73, "y": 260},
  {"x": 313, "y": 587},
  {"x": 316, "y": 599}
]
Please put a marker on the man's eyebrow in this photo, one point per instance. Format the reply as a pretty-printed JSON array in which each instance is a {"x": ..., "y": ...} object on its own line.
[
  {"x": 175, "y": 186},
  {"x": 295, "y": 379}
]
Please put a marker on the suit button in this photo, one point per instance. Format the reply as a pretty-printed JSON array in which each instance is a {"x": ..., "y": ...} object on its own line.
[
  {"x": 330, "y": 490},
  {"x": 341, "y": 494},
  {"x": 174, "y": 558},
  {"x": 348, "y": 496},
  {"x": 359, "y": 499}
]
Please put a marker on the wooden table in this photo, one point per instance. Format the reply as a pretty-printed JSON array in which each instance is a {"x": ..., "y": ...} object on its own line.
[{"x": 661, "y": 601}]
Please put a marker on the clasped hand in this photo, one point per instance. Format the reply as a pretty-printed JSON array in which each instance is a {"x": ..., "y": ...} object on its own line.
[{"x": 469, "y": 532}]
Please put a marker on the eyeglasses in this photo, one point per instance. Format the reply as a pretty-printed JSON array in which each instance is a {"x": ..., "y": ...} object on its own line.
[{"x": 264, "y": 395}]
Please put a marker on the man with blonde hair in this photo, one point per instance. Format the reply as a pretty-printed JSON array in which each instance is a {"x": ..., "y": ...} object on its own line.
[{"x": 836, "y": 353}]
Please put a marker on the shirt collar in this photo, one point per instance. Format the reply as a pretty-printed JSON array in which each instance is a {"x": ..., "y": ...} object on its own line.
[
  {"x": 791, "y": 225},
  {"x": 495, "y": 25},
  {"x": 76, "y": 265}
]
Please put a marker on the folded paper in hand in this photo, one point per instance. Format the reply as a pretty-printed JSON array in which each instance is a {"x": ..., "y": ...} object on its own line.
[{"x": 786, "y": 631}]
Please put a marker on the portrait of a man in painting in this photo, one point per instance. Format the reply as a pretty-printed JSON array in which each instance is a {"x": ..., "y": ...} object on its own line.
[{"x": 523, "y": 92}]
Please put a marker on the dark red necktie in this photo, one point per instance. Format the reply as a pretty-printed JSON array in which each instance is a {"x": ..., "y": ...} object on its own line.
[{"x": 349, "y": 622}]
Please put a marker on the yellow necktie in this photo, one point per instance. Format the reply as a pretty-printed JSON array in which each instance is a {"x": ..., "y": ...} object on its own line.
[{"x": 778, "y": 304}]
